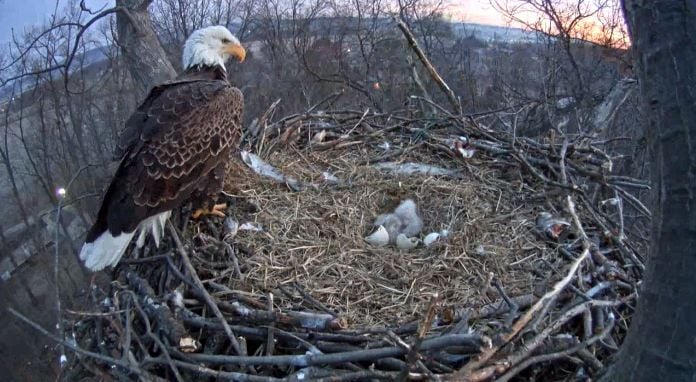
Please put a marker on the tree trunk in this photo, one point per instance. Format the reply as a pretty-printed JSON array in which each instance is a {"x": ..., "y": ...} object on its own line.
[
  {"x": 141, "y": 50},
  {"x": 661, "y": 343}
]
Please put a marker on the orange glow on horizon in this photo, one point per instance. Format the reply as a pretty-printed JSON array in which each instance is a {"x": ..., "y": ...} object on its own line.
[
  {"x": 482, "y": 12},
  {"x": 474, "y": 11}
]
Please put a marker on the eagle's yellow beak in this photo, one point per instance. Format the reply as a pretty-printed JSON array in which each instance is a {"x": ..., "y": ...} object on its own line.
[{"x": 236, "y": 51}]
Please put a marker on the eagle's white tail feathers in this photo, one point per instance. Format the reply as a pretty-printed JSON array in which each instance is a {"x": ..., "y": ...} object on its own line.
[
  {"x": 155, "y": 225},
  {"x": 108, "y": 249},
  {"x": 105, "y": 251}
]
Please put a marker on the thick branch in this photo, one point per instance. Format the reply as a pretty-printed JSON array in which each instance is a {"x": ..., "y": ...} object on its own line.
[{"x": 429, "y": 66}]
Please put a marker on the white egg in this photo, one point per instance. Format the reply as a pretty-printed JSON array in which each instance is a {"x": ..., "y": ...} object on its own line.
[
  {"x": 379, "y": 238},
  {"x": 431, "y": 238}
]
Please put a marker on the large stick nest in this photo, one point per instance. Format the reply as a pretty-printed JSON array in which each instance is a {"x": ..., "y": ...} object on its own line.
[{"x": 307, "y": 298}]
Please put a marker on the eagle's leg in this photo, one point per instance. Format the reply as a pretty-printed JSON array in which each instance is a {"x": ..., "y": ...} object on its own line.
[
  {"x": 209, "y": 193},
  {"x": 217, "y": 210}
]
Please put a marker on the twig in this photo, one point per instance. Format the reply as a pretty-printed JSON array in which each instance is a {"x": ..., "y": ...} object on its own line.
[
  {"x": 155, "y": 339},
  {"x": 235, "y": 261},
  {"x": 305, "y": 320},
  {"x": 305, "y": 360},
  {"x": 270, "y": 342},
  {"x": 495, "y": 309},
  {"x": 513, "y": 308},
  {"x": 312, "y": 300},
  {"x": 423, "y": 329},
  {"x": 576, "y": 221},
  {"x": 525, "y": 319},
  {"x": 75, "y": 348},
  {"x": 56, "y": 262},
  {"x": 429, "y": 66},
  {"x": 170, "y": 326},
  {"x": 551, "y": 356},
  {"x": 226, "y": 375},
  {"x": 208, "y": 299}
]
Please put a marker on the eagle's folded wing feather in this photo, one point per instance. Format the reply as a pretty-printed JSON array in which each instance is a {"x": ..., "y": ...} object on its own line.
[{"x": 178, "y": 135}]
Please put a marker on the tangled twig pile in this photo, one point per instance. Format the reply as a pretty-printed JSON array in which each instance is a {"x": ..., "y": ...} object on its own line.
[{"x": 299, "y": 295}]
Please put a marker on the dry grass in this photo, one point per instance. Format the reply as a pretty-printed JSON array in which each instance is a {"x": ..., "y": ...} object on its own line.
[
  {"x": 312, "y": 248},
  {"x": 315, "y": 237}
]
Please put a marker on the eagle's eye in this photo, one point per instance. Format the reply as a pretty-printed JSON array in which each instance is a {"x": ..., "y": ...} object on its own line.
[{"x": 225, "y": 40}]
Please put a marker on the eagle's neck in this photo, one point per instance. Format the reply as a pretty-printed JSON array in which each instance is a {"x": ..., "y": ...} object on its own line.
[{"x": 205, "y": 72}]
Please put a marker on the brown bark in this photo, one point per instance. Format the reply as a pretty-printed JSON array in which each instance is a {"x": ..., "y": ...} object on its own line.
[
  {"x": 141, "y": 50},
  {"x": 661, "y": 343}
]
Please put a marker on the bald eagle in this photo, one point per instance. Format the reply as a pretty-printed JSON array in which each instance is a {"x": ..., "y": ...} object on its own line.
[{"x": 173, "y": 149}]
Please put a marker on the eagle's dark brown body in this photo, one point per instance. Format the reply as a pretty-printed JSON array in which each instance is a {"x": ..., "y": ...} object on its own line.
[{"x": 174, "y": 148}]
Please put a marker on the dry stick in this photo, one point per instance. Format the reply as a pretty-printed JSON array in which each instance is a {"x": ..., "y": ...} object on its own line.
[
  {"x": 587, "y": 323},
  {"x": 260, "y": 124},
  {"x": 552, "y": 356},
  {"x": 366, "y": 375},
  {"x": 304, "y": 360},
  {"x": 434, "y": 105},
  {"x": 497, "y": 308},
  {"x": 270, "y": 342},
  {"x": 222, "y": 375},
  {"x": 196, "y": 321},
  {"x": 310, "y": 347},
  {"x": 358, "y": 123},
  {"x": 483, "y": 374},
  {"x": 564, "y": 150},
  {"x": 75, "y": 348},
  {"x": 155, "y": 339},
  {"x": 510, "y": 303},
  {"x": 576, "y": 220},
  {"x": 425, "y": 325},
  {"x": 208, "y": 298},
  {"x": 235, "y": 261},
  {"x": 524, "y": 320},
  {"x": 305, "y": 320},
  {"x": 586, "y": 250},
  {"x": 172, "y": 327},
  {"x": 126, "y": 346},
  {"x": 308, "y": 297},
  {"x": 239, "y": 296},
  {"x": 419, "y": 83},
  {"x": 637, "y": 204},
  {"x": 590, "y": 360},
  {"x": 56, "y": 244},
  {"x": 94, "y": 314},
  {"x": 426, "y": 62},
  {"x": 619, "y": 209},
  {"x": 533, "y": 343}
]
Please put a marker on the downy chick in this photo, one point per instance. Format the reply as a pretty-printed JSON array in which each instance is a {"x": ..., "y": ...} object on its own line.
[{"x": 404, "y": 220}]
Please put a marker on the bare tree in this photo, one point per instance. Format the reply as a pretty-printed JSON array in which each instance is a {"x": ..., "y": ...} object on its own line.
[
  {"x": 6, "y": 157},
  {"x": 568, "y": 31}
]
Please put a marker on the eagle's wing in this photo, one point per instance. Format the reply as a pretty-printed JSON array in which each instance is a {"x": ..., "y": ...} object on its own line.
[
  {"x": 140, "y": 122},
  {"x": 178, "y": 135}
]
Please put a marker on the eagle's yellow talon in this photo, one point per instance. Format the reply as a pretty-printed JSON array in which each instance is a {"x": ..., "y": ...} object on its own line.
[
  {"x": 217, "y": 210},
  {"x": 197, "y": 213}
]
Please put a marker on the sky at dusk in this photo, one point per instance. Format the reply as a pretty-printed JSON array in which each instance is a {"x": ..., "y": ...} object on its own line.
[
  {"x": 475, "y": 11},
  {"x": 18, "y": 14}
]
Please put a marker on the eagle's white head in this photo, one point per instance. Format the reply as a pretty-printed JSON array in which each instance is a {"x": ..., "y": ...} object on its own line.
[{"x": 211, "y": 46}]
